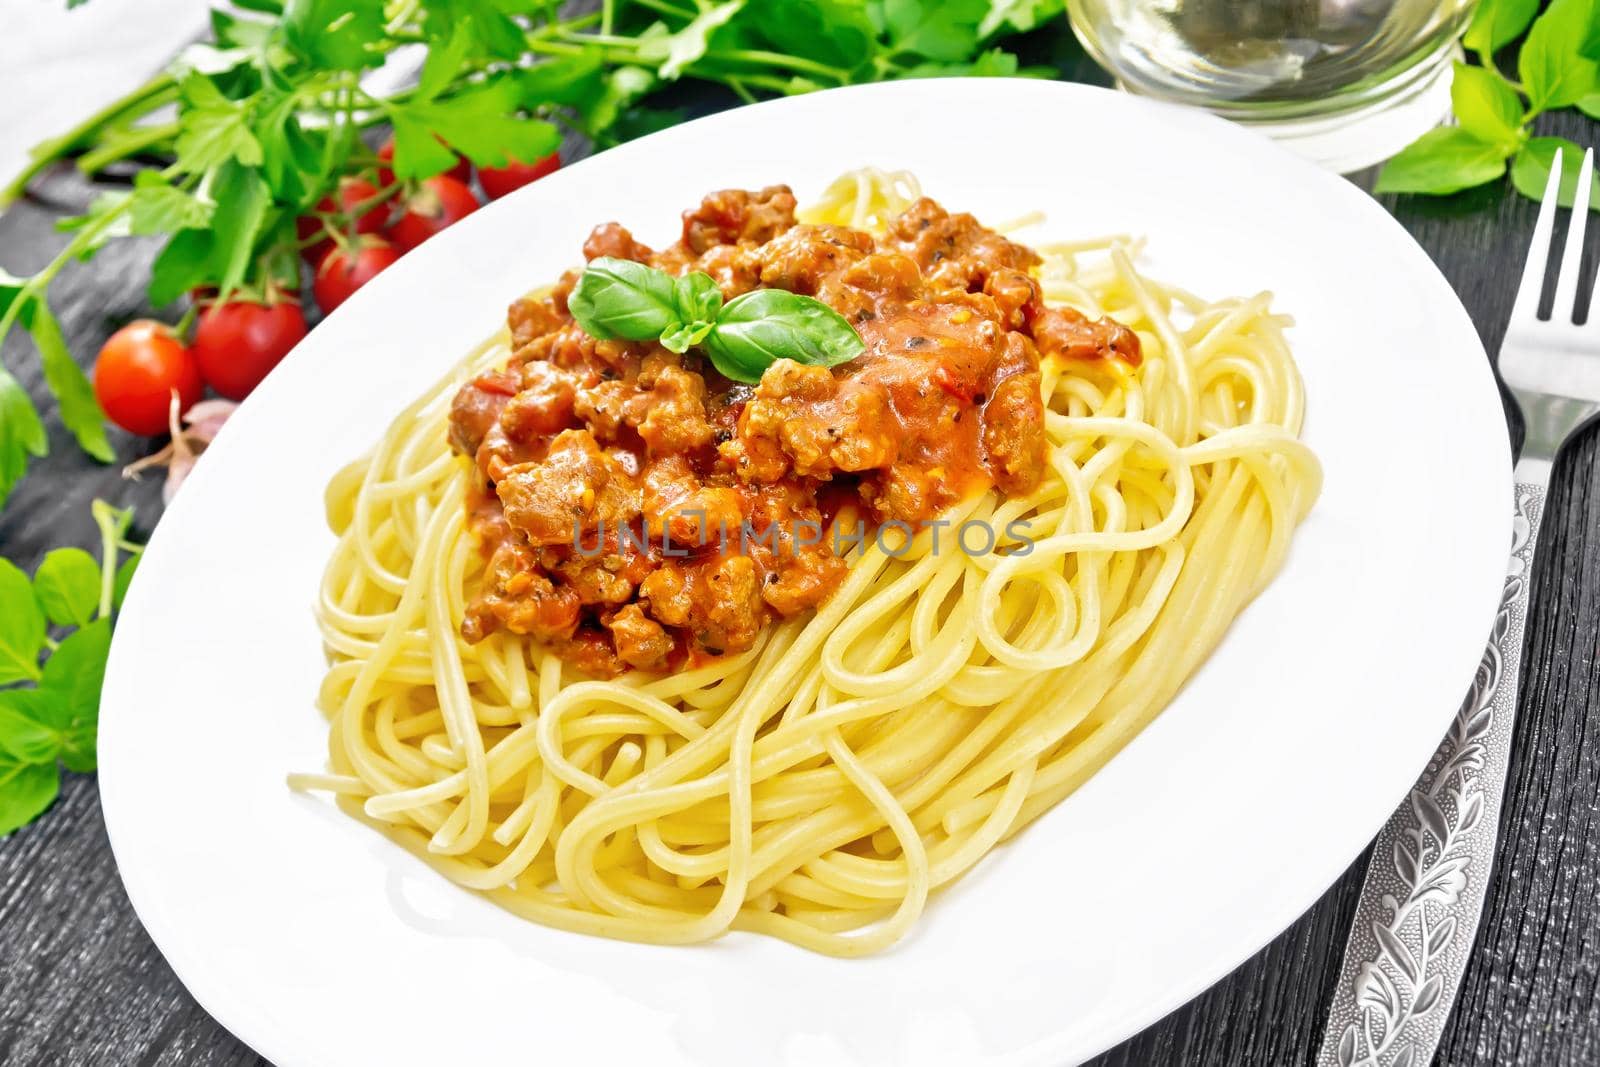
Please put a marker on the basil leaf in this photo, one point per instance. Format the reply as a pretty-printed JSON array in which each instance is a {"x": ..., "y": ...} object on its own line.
[
  {"x": 761, "y": 327},
  {"x": 21, "y": 626},
  {"x": 26, "y": 790},
  {"x": 1554, "y": 73},
  {"x": 1531, "y": 170},
  {"x": 684, "y": 336},
  {"x": 1485, "y": 105},
  {"x": 698, "y": 297},
  {"x": 618, "y": 298},
  {"x": 1443, "y": 161},
  {"x": 67, "y": 584},
  {"x": 1496, "y": 23}
]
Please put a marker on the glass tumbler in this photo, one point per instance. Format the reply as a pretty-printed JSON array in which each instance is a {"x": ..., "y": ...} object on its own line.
[{"x": 1345, "y": 82}]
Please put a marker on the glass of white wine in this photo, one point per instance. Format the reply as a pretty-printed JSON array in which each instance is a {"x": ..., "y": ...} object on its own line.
[{"x": 1346, "y": 82}]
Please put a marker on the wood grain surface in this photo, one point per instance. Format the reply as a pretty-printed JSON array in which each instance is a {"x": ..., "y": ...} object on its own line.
[{"x": 81, "y": 983}]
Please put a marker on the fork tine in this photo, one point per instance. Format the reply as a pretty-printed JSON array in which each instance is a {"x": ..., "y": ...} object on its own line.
[
  {"x": 1526, "y": 307},
  {"x": 1581, "y": 203},
  {"x": 1565, "y": 306}
]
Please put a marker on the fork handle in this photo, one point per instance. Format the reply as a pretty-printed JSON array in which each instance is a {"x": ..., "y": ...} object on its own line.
[{"x": 1423, "y": 896}]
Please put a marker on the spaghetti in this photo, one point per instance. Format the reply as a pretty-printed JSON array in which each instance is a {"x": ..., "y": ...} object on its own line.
[{"x": 821, "y": 784}]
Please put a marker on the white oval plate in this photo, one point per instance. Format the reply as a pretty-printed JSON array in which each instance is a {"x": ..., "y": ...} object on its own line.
[{"x": 319, "y": 942}]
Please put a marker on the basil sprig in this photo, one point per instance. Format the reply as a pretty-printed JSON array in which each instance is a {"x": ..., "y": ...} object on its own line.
[{"x": 618, "y": 299}]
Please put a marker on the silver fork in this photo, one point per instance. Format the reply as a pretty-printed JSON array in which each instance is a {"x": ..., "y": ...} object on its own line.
[{"x": 1420, "y": 904}]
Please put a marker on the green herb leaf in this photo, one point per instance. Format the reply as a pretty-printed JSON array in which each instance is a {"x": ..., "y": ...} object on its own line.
[
  {"x": 484, "y": 125},
  {"x": 942, "y": 30},
  {"x": 119, "y": 588},
  {"x": 215, "y": 129},
  {"x": 26, "y": 790},
  {"x": 1443, "y": 161},
  {"x": 575, "y": 81},
  {"x": 295, "y": 163},
  {"x": 183, "y": 264},
  {"x": 23, "y": 731},
  {"x": 242, "y": 200},
  {"x": 1554, "y": 72},
  {"x": 618, "y": 298},
  {"x": 697, "y": 297},
  {"x": 75, "y": 401},
  {"x": 623, "y": 87},
  {"x": 1018, "y": 16},
  {"x": 1590, "y": 105},
  {"x": 1531, "y": 170},
  {"x": 21, "y": 433},
  {"x": 835, "y": 32},
  {"x": 674, "y": 52},
  {"x": 21, "y": 626},
  {"x": 335, "y": 34},
  {"x": 71, "y": 686},
  {"x": 1496, "y": 23},
  {"x": 995, "y": 63},
  {"x": 760, "y": 327},
  {"x": 1485, "y": 105},
  {"x": 67, "y": 584},
  {"x": 685, "y": 335},
  {"x": 157, "y": 207}
]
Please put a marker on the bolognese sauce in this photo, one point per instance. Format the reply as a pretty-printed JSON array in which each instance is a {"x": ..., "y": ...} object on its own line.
[{"x": 610, "y": 472}]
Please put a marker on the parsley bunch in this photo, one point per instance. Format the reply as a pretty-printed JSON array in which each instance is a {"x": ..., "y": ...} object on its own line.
[
  {"x": 1557, "y": 66},
  {"x": 54, "y": 635},
  {"x": 250, "y": 131}
]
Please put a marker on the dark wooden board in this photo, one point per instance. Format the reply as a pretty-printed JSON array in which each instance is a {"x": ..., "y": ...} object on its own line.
[{"x": 81, "y": 983}]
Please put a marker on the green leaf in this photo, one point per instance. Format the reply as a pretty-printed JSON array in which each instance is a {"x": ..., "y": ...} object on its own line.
[
  {"x": 21, "y": 433},
  {"x": 1485, "y": 105},
  {"x": 75, "y": 401},
  {"x": 636, "y": 120},
  {"x": 72, "y": 678},
  {"x": 760, "y": 327},
  {"x": 158, "y": 208},
  {"x": 214, "y": 130},
  {"x": 685, "y": 335},
  {"x": 1590, "y": 105},
  {"x": 573, "y": 81},
  {"x": 1018, "y": 16},
  {"x": 26, "y": 790},
  {"x": 67, "y": 584},
  {"x": 1554, "y": 73},
  {"x": 673, "y": 52},
  {"x": 107, "y": 215},
  {"x": 484, "y": 125},
  {"x": 1442, "y": 161},
  {"x": 620, "y": 298},
  {"x": 295, "y": 163},
  {"x": 995, "y": 63},
  {"x": 1531, "y": 170},
  {"x": 184, "y": 263},
  {"x": 11, "y": 288},
  {"x": 697, "y": 297},
  {"x": 1496, "y": 23},
  {"x": 125, "y": 572},
  {"x": 835, "y": 32},
  {"x": 445, "y": 60},
  {"x": 23, "y": 729},
  {"x": 943, "y": 30},
  {"x": 21, "y": 626},
  {"x": 494, "y": 34},
  {"x": 242, "y": 200},
  {"x": 335, "y": 34},
  {"x": 623, "y": 87}
]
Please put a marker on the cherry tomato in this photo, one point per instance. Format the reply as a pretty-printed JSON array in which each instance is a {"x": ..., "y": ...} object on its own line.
[
  {"x": 441, "y": 202},
  {"x": 346, "y": 270},
  {"x": 138, "y": 369},
  {"x": 352, "y": 192},
  {"x": 461, "y": 172},
  {"x": 498, "y": 181},
  {"x": 238, "y": 342}
]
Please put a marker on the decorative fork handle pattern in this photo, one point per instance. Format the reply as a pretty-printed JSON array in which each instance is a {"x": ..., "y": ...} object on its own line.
[{"x": 1418, "y": 917}]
